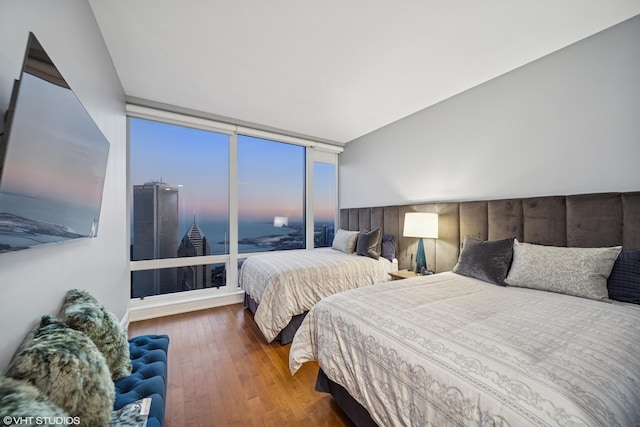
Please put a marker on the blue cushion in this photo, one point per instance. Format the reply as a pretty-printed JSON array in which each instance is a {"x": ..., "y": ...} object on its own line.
[
  {"x": 148, "y": 377},
  {"x": 624, "y": 280},
  {"x": 389, "y": 246}
]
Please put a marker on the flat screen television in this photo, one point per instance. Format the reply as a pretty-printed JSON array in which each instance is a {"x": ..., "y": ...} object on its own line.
[{"x": 53, "y": 160}]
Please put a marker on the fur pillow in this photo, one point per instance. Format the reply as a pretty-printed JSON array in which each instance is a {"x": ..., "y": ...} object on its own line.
[
  {"x": 82, "y": 312},
  {"x": 19, "y": 399},
  {"x": 66, "y": 366}
]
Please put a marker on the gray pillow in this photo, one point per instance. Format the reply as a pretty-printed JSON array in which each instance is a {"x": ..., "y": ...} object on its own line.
[
  {"x": 67, "y": 367},
  {"x": 368, "y": 243},
  {"x": 82, "y": 312},
  {"x": 20, "y": 399},
  {"x": 581, "y": 272},
  {"x": 486, "y": 260},
  {"x": 345, "y": 241}
]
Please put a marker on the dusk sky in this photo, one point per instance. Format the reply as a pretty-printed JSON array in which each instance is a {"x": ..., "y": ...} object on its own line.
[
  {"x": 271, "y": 175},
  {"x": 194, "y": 159}
]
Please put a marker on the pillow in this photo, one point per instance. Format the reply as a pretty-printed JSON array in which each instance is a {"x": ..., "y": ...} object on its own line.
[
  {"x": 368, "y": 243},
  {"x": 20, "y": 399},
  {"x": 624, "y": 281},
  {"x": 66, "y": 366},
  {"x": 82, "y": 312},
  {"x": 581, "y": 272},
  {"x": 345, "y": 241},
  {"x": 486, "y": 260},
  {"x": 389, "y": 246}
]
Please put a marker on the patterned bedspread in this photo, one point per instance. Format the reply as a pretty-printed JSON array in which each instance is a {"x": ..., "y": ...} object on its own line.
[
  {"x": 289, "y": 283},
  {"x": 447, "y": 350}
]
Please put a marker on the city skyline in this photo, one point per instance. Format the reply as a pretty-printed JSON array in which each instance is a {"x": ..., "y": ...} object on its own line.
[{"x": 156, "y": 236}]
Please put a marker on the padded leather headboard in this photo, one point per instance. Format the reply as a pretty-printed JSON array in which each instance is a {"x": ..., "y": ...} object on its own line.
[{"x": 584, "y": 220}]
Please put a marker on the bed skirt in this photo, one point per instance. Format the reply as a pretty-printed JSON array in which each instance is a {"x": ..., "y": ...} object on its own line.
[
  {"x": 286, "y": 335},
  {"x": 351, "y": 407}
]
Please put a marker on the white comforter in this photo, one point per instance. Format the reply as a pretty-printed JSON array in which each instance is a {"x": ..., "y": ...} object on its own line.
[
  {"x": 448, "y": 350},
  {"x": 289, "y": 283}
]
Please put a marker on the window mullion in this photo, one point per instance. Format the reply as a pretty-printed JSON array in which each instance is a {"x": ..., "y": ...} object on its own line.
[
  {"x": 310, "y": 223},
  {"x": 232, "y": 270}
]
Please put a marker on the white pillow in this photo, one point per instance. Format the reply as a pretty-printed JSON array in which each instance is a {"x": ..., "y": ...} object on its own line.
[
  {"x": 581, "y": 272},
  {"x": 345, "y": 241}
]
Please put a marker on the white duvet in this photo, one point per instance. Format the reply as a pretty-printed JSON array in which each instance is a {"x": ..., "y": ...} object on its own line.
[
  {"x": 289, "y": 283},
  {"x": 448, "y": 350}
]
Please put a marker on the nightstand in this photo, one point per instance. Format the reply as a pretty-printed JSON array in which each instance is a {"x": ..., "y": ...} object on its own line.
[{"x": 402, "y": 274}]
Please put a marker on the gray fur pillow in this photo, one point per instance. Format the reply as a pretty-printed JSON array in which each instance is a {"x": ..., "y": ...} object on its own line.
[
  {"x": 84, "y": 313},
  {"x": 19, "y": 399},
  {"x": 66, "y": 366}
]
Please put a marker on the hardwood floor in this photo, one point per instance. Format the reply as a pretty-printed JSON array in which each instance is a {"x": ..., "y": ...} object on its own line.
[{"x": 222, "y": 372}]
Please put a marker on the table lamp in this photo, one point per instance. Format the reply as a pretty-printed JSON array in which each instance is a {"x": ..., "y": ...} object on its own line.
[{"x": 422, "y": 225}]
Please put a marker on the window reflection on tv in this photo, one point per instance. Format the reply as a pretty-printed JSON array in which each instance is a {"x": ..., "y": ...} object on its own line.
[{"x": 53, "y": 159}]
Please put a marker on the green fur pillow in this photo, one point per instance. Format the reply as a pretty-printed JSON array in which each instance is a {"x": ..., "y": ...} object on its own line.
[
  {"x": 84, "y": 313},
  {"x": 66, "y": 366},
  {"x": 20, "y": 400}
]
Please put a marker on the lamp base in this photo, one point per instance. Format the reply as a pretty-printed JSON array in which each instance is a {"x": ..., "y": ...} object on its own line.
[{"x": 421, "y": 259}]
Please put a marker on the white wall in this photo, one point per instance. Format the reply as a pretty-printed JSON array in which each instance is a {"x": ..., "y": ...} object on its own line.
[
  {"x": 568, "y": 123},
  {"x": 33, "y": 282}
]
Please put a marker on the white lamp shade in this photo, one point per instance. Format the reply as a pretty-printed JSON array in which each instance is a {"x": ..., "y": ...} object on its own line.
[
  {"x": 280, "y": 221},
  {"x": 421, "y": 224}
]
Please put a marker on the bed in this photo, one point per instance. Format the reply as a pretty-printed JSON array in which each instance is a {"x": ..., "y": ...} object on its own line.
[
  {"x": 280, "y": 287},
  {"x": 534, "y": 339},
  {"x": 451, "y": 350}
]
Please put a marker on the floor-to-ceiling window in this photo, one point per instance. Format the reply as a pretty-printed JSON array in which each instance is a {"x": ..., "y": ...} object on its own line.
[{"x": 205, "y": 195}]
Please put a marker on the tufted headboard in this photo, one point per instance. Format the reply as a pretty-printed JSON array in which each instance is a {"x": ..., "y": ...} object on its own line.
[{"x": 583, "y": 220}]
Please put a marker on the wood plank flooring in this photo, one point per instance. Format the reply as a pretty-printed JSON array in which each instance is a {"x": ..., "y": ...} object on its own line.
[{"x": 222, "y": 372}]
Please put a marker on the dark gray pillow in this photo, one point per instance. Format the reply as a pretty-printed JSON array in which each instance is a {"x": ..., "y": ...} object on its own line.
[
  {"x": 389, "y": 246},
  {"x": 487, "y": 260},
  {"x": 368, "y": 243},
  {"x": 624, "y": 281}
]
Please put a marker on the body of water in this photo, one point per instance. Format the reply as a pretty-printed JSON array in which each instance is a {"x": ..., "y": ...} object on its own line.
[{"x": 253, "y": 236}]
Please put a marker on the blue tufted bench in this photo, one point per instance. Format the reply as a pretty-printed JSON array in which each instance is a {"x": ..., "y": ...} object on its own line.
[{"x": 148, "y": 377}]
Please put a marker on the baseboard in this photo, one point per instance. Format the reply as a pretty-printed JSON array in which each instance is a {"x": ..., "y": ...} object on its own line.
[{"x": 151, "y": 307}]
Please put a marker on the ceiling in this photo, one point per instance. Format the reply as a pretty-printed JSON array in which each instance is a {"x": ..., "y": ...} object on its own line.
[{"x": 332, "y": 70}]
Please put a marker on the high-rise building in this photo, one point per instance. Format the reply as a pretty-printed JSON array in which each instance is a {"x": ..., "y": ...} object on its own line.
[
  {"x": 194, "y": 243},
  {"x": 155, "y": 235}
]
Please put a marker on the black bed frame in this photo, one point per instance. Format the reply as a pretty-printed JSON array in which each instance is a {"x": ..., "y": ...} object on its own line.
[{"x": 286, "y": 334}]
